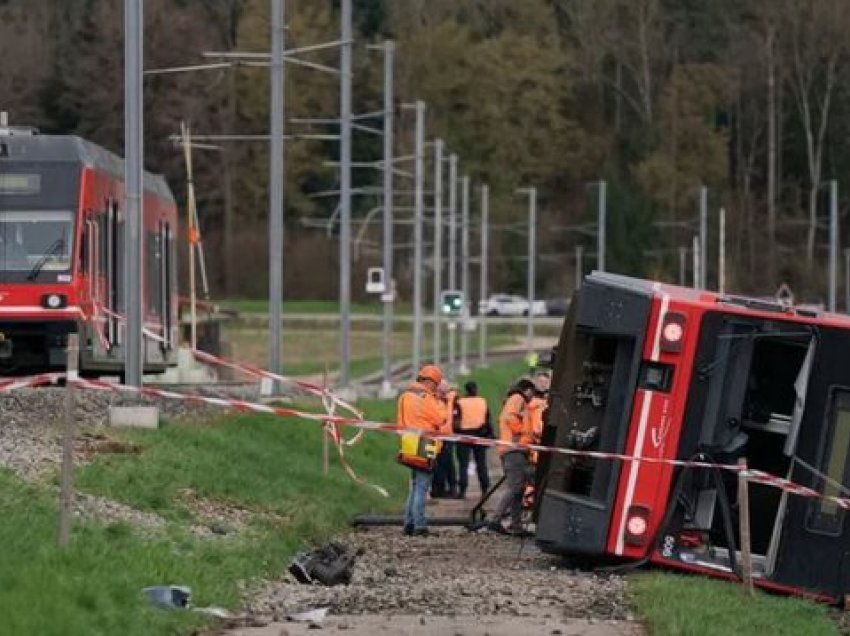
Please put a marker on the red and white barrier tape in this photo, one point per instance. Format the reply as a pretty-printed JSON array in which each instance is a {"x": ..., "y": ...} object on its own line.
[{"x": 333, "y": 424}]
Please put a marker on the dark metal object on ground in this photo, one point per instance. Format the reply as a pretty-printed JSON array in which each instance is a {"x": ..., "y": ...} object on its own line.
[{"x": 329, "y": 565}]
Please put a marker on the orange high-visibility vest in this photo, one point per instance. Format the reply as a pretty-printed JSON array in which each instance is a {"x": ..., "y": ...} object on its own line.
[
  {"x": 473, "y": 412},
  {"x": 418, "y": 408},
  {"x": 534, "y": 417},
  {"x": 513, "y": 424}
]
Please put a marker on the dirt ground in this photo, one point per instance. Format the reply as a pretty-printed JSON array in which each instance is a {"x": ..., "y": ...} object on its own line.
[{"x": 454, "y": 582}]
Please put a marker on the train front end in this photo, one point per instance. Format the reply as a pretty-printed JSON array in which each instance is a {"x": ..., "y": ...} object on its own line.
[{"x": 39, "y": 217}]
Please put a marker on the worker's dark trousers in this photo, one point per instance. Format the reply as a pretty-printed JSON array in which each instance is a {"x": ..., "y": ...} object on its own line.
[
  {"x": 517, "y": 474},
  {"x": 479, "y": 453},
  {"x": 445, "y": 476}
]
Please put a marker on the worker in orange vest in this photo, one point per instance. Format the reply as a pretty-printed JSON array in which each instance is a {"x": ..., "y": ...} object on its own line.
[
  {"x": 514, "y": 428},
  {"x": 444, "y": 482},
  {"x": 536, "y": 406},
  {"x": 420, "y": 408},
  {"x": 473, "y": 419}
]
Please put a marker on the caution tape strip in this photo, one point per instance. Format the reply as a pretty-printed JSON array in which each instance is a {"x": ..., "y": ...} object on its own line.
[{"x": 333, "y": 424}]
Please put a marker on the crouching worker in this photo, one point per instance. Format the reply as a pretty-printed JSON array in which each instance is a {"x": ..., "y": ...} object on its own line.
[
  {"x": 514, "y": 428},
  {"x": 420, "y": 410}
]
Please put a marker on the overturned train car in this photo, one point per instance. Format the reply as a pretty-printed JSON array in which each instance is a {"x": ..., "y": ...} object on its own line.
[
  {"x": 663, "y": 372},
  {"x": 62, "y": 257}
]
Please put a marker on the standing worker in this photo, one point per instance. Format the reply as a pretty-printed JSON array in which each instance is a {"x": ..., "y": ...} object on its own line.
[
  {"x": 514, "y": 428},
  {"x": 421, "y": 410},
  {"x": 445, "y": 482},
  {"x": 474, "y": 419}
]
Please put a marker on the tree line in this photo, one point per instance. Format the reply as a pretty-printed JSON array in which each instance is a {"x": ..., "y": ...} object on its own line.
[{"x": 656, "y": 97}]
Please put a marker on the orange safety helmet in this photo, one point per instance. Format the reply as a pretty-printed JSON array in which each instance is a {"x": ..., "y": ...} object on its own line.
[{"x": 430, "y": 372}]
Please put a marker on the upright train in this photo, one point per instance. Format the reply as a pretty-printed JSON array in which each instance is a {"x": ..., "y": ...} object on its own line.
[{"x": 62, "y": 257}]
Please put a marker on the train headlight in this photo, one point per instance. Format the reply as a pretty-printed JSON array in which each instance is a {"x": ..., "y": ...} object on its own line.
[
  {"x": 637, "y": 525},
  {"x": 54, "y": 301},
  {"x": 673, "y": 332}
]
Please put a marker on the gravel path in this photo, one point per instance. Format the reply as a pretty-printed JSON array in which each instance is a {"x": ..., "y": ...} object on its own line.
[{"x": 453, "y": 583}]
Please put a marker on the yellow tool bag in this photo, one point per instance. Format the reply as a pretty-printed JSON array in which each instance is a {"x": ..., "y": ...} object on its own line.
[{"x": 418, "y": 452}]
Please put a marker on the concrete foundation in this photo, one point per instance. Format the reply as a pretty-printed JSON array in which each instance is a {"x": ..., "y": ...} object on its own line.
[{"x": 134, "y": 416}]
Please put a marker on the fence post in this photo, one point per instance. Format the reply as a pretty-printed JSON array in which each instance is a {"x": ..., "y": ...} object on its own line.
[
  {"x": 66, "y": 489},
  {"x": 744, "y": 518}
]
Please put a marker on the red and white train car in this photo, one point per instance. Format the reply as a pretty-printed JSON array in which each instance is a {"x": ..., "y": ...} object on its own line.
[
  {"x": 62, "y": 257},
  {"x": 666, "y": 374}
]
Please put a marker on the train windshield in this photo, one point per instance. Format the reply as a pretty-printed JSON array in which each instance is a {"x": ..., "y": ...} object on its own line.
[{"x": 34, "y": 242}]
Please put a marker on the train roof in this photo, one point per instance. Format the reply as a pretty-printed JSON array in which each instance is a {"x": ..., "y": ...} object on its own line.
[
  {"x": 711, "y": 299},
  {"x": 73, "y": 149}
]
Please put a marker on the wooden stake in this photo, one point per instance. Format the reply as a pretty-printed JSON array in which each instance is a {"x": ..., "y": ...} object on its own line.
[
  {"x": 744, "y": 518},
  {"x": 66, "y": 489}
]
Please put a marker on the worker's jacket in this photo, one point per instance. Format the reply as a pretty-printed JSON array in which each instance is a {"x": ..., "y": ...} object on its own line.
[
  {"x": 474, "y": 417},
  {"x": 420, "y": 408},
  {"x": 534, "y": 415},
  {"x": 514, "y": 425},
  {"x": 452, "y": 412}
]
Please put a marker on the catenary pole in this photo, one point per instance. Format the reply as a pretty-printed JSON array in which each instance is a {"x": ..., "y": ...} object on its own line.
[
  {"x": 276, "y": 194},
  {"x": 721, "y": 254},
  {"x": 345, "y": 193},
  {"x": 464, "y": 275},
  {"x": 683, "y": 268},
  {"x": 833, "y": 245},
  {"x": 133, "y": 167},
  {"x": 532, "y": 260},
  {"x": 452, "y": 250},
  {"x": 579, "y": 265},
  {"x": 438, "y": 246},
  {"x": 482, "y": 314},
  {"x": 602, "y": 221},
  {"x": 389, "y": 290},
  {"x": 703, "y": 237},
  {"x": 419, "y": 176},
  {"x": 696, "y": 262}
]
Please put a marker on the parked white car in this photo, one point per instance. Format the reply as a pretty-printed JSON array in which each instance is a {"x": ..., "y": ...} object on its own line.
[{"x": 509, "y": 305}]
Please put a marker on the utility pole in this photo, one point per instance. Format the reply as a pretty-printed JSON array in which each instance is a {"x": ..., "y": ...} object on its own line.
[
  {"x": 464, "y": 276},
  {"x": 721, "y": 254},
  {"x": 452, "y": 250},
  {"x": 683, "y": 268},
  {"x": 696, "y": 262},
  {"x": 482, "y": 315},
  {"x": 602, "y": 221},
  {"x": 276, "y": 194},
  {"x": 532, "y": 258},
  {"x": 833, "y": 244},
  {"x": 345, "y": 193},
  {"x": 419, "y": 176},
  {"x": 847, "y": 280},
  {"x": 133, "y": 168},
  {"x": 389, "y": 290},
  {"x": 703, "y": 237},
  {"x": 579, "y": 265},
  {"x": 438, "y": 246}
]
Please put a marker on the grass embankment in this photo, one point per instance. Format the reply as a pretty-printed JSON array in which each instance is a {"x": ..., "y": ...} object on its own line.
[
  {"x": 685, "y": 605},
  {"x": 264, "y": 465},
  {"x": 261, "y": 305},
  {"x": 269, "y": 468}
]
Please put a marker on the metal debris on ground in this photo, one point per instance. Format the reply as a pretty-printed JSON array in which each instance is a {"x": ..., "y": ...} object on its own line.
[
  {"x": 331, "y": 564},
  {"x": 169, "y": 596}
]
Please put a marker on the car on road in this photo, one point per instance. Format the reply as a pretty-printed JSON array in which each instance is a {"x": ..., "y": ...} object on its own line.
[
  {"x": 510, "y": 305},
  {"x": 557, "y": 306}
]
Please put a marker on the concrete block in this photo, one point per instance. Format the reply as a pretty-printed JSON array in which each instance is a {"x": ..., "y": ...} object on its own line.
[{"x": 134, "y": 416}]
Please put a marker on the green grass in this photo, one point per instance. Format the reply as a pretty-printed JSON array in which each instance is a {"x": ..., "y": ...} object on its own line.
[
  {"x": 261, "y": 305},
  {"x": 682, "y": 605},
  {"x": 257, "y": 462}
]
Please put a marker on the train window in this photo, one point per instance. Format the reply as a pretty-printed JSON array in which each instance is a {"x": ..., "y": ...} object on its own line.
[{"x": 825, "y": 516}]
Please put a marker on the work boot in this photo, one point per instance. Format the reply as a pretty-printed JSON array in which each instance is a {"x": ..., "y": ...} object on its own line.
[
  {"x": 421, "y": 532},
  {"x": 495, "y": 526},
  {"x": 408, "y": 531}
]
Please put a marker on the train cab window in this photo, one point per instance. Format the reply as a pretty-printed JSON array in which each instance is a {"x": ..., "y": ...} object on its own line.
[{"x": 827, "y": 517}]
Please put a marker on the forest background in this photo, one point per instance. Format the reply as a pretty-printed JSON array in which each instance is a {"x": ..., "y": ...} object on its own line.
[{"x": 657, "y": 97}]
